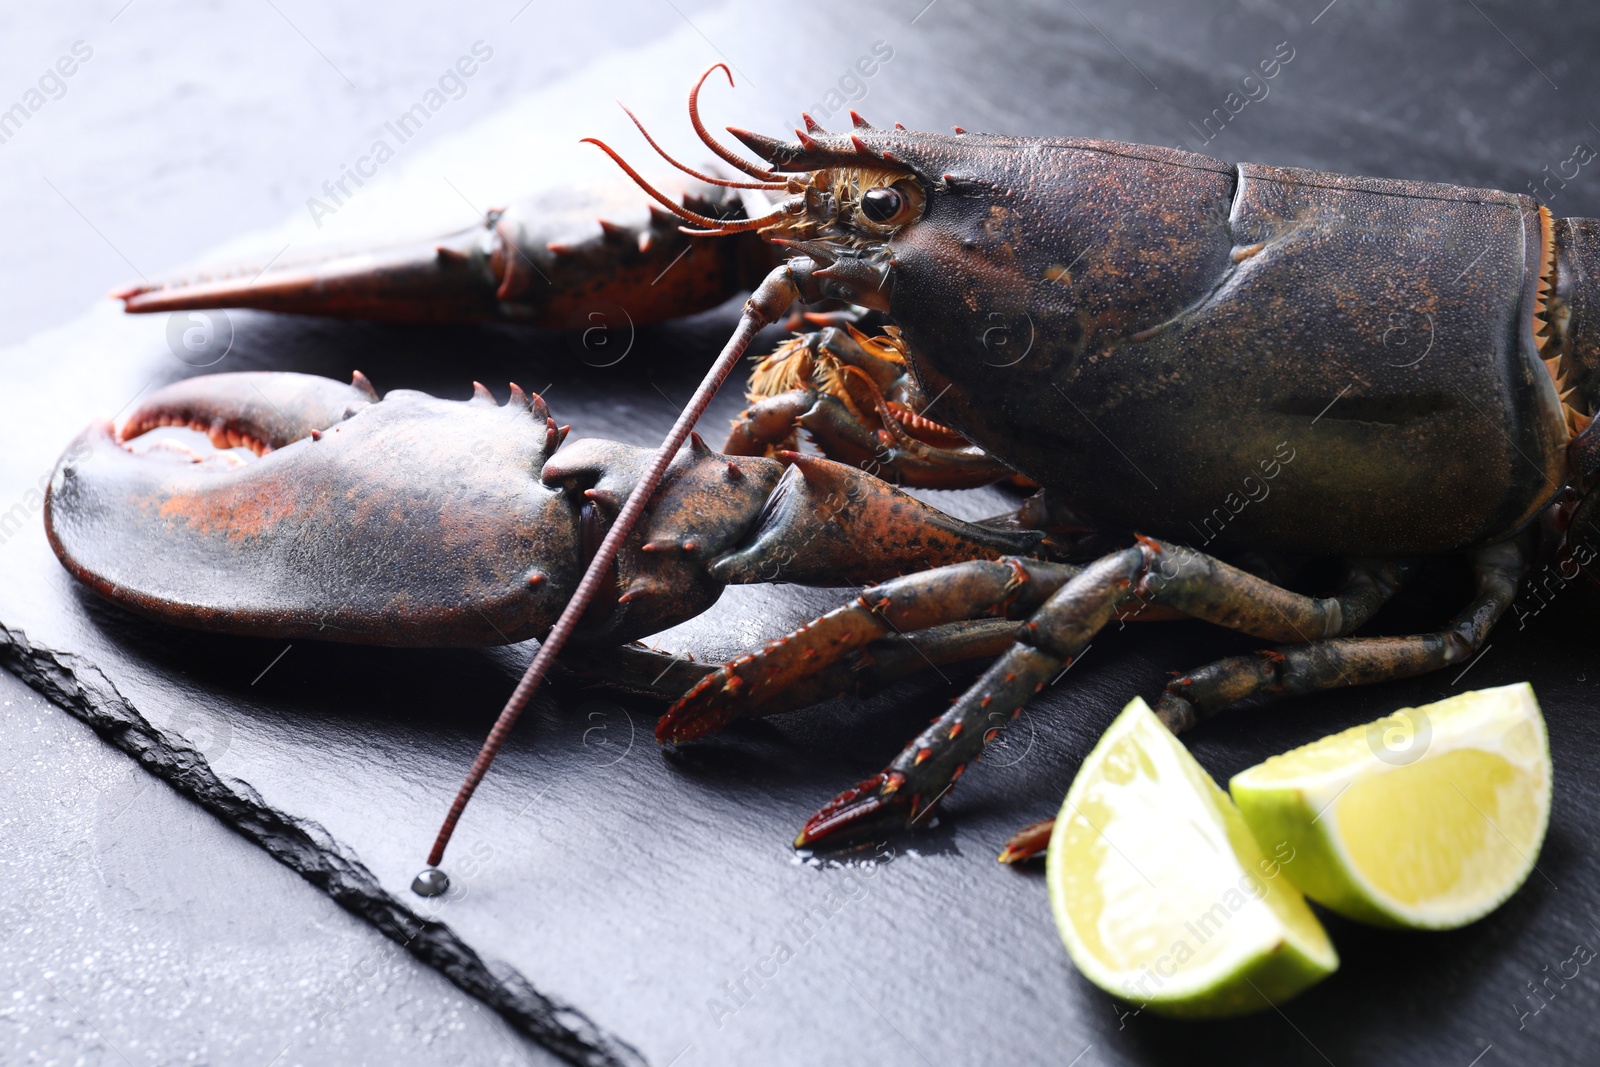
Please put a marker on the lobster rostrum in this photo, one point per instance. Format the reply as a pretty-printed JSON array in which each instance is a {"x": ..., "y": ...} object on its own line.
[{"x": 1147, "y": 334}]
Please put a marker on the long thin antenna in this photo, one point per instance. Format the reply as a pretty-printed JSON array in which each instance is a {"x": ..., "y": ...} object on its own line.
[{"x": 765, "y": 306}]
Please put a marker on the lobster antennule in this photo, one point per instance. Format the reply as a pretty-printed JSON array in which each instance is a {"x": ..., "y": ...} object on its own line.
[
  {"x": 707, "y": 178},
  {"x": 710, "y": 226},
  {"x": 711, "y": 142}
]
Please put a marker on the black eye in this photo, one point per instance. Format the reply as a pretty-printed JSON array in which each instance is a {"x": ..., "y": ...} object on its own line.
[{"x": 882, "y": 205}]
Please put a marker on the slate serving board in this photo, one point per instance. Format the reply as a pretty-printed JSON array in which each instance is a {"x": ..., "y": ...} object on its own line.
[{"x": 626, "y": 906}]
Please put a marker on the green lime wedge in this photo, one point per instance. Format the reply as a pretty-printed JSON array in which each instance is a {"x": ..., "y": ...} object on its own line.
[
  {"x": 1161, "y": 894},
  {"x": 1427, "y": 819}
]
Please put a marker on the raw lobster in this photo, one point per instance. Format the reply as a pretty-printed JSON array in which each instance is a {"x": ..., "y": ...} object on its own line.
[{"x": 1202, "y": 364}]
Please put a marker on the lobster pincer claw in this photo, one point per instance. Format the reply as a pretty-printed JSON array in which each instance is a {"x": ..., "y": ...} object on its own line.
[
  {"x": 549, "y": 262},
  {"x": 406, "y": 521},
  {"x": 868, "y": 811},
  {"x": 258, "y": 410},
  {"x": 901, "y": 797},
  {"x": 448, "y": 281}
]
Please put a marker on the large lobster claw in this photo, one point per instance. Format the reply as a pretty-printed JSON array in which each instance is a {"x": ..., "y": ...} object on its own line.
[
  {"x": 410, "y": 521},
  {"x": 407, "y": 521},
  {"x": 550, "y": 262}
]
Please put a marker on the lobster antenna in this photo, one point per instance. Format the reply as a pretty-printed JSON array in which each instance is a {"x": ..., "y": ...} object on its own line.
[{"x": 766, "y": 305}]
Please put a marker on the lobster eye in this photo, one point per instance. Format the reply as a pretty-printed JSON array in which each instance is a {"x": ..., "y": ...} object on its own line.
[
  {"x": 885, "y": 208},
  {"x": 882, "y": 205}
]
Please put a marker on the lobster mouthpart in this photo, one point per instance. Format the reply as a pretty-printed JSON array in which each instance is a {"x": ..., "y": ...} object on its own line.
[{"x": 410, "y": 521}]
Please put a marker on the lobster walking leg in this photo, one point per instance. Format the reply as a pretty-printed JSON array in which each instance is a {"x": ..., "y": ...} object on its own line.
[
  {"x": 897, "y": 656},
  {"x": 649, "y": 672},
  {"x": 1328, "y": 664},
  {"x": 1151, "y": 572},
  {"x": 894, "y": 657},
  {"x": 1305, "y": 668},
  {"x": 1368, "y": 586},
  {"x": 914, "y": 602}
]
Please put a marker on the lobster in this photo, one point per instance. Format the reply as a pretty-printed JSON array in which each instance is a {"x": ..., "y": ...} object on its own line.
[{"x": 1316, "y": 366}]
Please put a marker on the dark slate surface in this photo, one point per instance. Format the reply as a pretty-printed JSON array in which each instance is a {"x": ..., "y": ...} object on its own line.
[
  {"x": 137, "y": 928},
  {"x": 591, "y": 869}
]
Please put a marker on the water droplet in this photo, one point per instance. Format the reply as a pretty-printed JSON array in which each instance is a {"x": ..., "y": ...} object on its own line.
[{"x": 430, "y": 883}]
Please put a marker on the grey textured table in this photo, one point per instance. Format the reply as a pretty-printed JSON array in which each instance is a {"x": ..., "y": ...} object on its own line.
[{"x": 140, "y": 927}]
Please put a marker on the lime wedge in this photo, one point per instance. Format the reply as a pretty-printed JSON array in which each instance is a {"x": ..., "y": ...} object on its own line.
[
  {"x": 1427, "y": 819},
  {"x": 1162, "y": 896}
]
